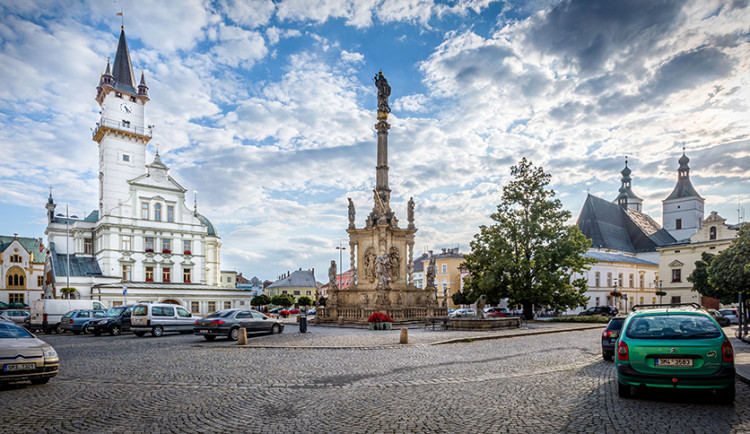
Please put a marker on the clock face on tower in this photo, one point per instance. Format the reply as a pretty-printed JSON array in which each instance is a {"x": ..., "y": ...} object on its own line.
[
  {"x": 159, "y": 175},
  {"x": 125, "y": 108}
]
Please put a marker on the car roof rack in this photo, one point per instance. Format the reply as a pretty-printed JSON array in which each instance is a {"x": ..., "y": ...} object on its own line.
[{"x": 667, "y": 305}]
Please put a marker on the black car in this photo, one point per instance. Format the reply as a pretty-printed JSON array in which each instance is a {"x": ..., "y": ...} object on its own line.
[
  {"x": 114, "y": 322},
  {"x": 720, "y": 318},
  {"x": 609, "y": 337},
  {"x": 600, "y": 310},
  {"x": 229, "y": 321}
]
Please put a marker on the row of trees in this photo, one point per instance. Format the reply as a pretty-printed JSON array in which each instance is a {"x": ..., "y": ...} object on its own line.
[
  {"x": 726, "y": 275},
  {"x": 284, "y": 300}
]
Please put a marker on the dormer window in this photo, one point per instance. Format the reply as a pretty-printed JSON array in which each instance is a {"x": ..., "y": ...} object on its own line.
[
  {"x": 132, "y": 99},
  {"x": 125, "y": 158},
  {"x": 118, "y": 94}
]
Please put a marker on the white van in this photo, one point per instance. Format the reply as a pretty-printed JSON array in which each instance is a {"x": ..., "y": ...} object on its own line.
[
  {"x": 158, "y": 318},
  {"x": 46, "y": 313}
]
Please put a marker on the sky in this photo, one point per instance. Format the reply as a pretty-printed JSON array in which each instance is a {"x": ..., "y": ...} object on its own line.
[{"x": 267, "y": 109}]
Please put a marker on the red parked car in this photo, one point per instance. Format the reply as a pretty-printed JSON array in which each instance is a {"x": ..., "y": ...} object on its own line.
[{"x": 293, "y": 311}]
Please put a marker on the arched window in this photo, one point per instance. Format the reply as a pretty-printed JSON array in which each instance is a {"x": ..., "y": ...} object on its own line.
[
  {"x": 712, "y": 233},
  {"x": 609, "y": 279},
  {"x": 16, "y": 278}
]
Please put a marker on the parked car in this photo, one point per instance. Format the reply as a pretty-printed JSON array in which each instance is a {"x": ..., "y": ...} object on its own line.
[
  {"x": 115, "y": 321},
  {"x": 276, "y": 310},
  {"x": 77, "y": 320},
  {"x": 496, "y": 311},
  {"x": 293, "y": 311},
  {"x": 25, "y": 358},
  {"x": 228, "y": 323},
  {"x": 674, "y": 347},
  {"x": 609, "y": 337},
  {"x": 721, "y": 319},
  {"x": 17, "y": 316},
  {"x": 600, "y": 310},
  {"x": 463, "y": 313},
  {"x": 159, "y": 318},
  {"x": 731, "y": 314},
  {"x": 47, "y": 313}
]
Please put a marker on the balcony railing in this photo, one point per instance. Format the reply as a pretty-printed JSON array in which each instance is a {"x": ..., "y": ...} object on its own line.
[{"x": 123, "y": 126}]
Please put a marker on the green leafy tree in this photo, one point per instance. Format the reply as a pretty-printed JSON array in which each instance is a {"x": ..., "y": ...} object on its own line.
[
  {"x": 282, "y": 300},
  {"x": 322, "y": 301},
  {"x": 460, "y": 298},
  {"x": 261, "y": 300},
  {"x": 699, "y": 279},
  {"x": 729, "y": 272},
  {"x": 529, "y": 255},
  {"x": 305, "y": 301}
]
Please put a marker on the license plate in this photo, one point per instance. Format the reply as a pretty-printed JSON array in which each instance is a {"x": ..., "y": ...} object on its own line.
[
  {"x": 674, "y": 363},
  {"x": 19, "y": 367},
  {"x": 204, "y": 331}
]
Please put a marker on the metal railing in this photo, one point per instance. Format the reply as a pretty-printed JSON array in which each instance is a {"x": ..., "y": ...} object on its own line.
[{"x": 123, "y": 126}]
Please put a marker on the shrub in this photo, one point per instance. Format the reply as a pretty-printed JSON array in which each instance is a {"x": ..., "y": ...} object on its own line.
[
  {"x": 582, "y": 318},
  {"x": 379, "y": 317}
]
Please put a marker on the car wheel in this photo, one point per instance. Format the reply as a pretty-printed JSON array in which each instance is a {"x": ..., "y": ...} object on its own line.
[
  {"x": 59, "y": 330},
  {"x": 209, "y": 337},
  {"x": 139, "y": 334},
  {"x": 39, "y": 380},
  {"x": 607, "y": 356},
  {"x": 115, "y": 331},
  {"x": 234, "y": 334},
  {"x": 623, "y": 390},
  {"x": 726, "y": 396},
  {"x": 275, "y": 329},
  {"x": 157, "y": 331}
]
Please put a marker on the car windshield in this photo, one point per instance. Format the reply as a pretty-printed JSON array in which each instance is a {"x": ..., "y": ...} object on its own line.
[
  {"x": 221, "y": 314},
  {"x": 12, "y": 331},
  {"x": 115, "y": 311},
  {"x": 672, "y": 326}
]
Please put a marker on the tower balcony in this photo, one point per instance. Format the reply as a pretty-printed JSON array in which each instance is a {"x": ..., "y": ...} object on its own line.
[{"x": 123, "y": 127}]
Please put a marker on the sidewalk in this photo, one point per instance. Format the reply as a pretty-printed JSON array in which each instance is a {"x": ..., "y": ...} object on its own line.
[{"x": 741, "y": 357}]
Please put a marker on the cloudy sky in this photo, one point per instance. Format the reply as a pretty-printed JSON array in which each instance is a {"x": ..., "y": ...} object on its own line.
[{"x": 267, "y": 109}]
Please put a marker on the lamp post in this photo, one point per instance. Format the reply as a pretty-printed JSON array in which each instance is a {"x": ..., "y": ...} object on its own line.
[
  {"x": 341, "y": 249},
  {"x": 661, "y": 293},
  {"x": 67, "y": 246}
]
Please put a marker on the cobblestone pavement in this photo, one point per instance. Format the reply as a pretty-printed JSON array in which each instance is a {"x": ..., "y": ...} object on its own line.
[{"x": 546, "y": 383}]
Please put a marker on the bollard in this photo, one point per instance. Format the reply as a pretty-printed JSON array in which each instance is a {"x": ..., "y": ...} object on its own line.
[
  {"x": 404, "y": 336},
  {"x": 242, "y": 338},
  {"x": 341, "y": 321}
]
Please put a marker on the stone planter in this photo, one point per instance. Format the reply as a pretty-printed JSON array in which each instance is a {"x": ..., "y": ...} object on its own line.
[{"x": 381, "y": 325}]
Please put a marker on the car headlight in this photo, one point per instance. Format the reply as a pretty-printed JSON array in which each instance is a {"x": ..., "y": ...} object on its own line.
[{"x": 50, "y": 353}]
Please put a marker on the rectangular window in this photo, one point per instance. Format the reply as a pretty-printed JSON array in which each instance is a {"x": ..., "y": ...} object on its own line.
[
  {"x": 597, "y": 301},
  {"x": 125, "y": 157},
  {"x": 186, "y": 275},
  {"x": 227, "y": 305},
  {"x": 166, "y": 245},
  {"x": 677, "y": 275},
  {"x": 40, "y": 281},
  {"x": 642, "y": 282},
  {"x": 144, "y": 211},
  {"x": 157, "y": 212},
  {"x": 88, "y": 246},
  {"x": 308, "y": 292},
  {"x": 631, "y": 281},
  {"x": 149, "y": 244},
  {"x": 609, "y": 280},
  {"x": 127, "y": 273},
  {"x": 132, "y": 99},
  {"x": 285, "y": 292},
  {"x": 296, "y": 293},
  {"x": 678, "y": 224},
  {"x": 13, "y": 297},
  {"x": 211, "y": 306},
  {"x": 444, "y": 268},
  {"x": 187, "y": 247},
  {"x": 170, "y": 213},
  {"x": 194, "y": 307},
  {"x": 597, "y": 279},
  {"x": 126, "y": 244},
  {"x": 166, "y": 275},
  {"x": 676, "y": 300},
  {"x": 116, "y": 303},
  {"x": 149, "y": 274}
]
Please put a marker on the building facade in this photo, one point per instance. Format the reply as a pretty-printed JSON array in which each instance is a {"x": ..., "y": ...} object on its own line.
[
  {"x": 21, "y": 269},
  {"x": 300, "y": 283}
]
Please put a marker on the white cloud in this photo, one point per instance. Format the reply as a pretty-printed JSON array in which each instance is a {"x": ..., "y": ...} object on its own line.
[{"x": 238, "y": 47}]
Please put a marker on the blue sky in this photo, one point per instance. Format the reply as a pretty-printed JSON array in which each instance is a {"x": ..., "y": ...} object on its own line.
[{"x": 267, "y": 109}]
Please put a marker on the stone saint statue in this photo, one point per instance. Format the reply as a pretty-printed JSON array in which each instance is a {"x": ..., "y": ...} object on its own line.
[
  {"x": 384, "y": 91},
  {"x": 480, "y": 306},
  {"x": 351, "y": 213},
  {"x": 431, "y": 274},
  {"x": 332, "y": 276},
  {"x": 381, "y": 271},
  {"x": 367, "y": 300},
  {"x": 410, "y": 212}
]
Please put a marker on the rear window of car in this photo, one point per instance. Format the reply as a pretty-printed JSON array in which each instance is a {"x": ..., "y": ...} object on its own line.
[
  {"x": 140, "y": 310},
  {"x": 615, "y": 324},
  {"x": 221, "y": 314},
  {"x": 727, "y": 312},
  {"x": 672, "y": 326},
  {"x": 68, "y": 314}
]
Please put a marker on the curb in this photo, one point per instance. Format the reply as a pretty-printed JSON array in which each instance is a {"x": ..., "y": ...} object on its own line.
[{"x": 516, "y": 335}]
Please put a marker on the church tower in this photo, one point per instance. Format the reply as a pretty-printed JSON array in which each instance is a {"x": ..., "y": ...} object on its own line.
[
  {"x": 627, "y": 199},
  {"x": 682, "y": 210},
  {"x": 121, "y": 132}
]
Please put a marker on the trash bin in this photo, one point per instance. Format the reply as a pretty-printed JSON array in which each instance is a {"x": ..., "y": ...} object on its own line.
[{"x": 303, "y": 324}]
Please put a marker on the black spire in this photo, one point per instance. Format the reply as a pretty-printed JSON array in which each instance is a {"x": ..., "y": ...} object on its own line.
[
  {"x": 123, "y": 69},
  {"x": 142, "y": 88},
  {"x": 684, "y": 187}
]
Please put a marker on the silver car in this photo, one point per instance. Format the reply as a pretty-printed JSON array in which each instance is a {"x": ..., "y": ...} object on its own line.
[
  {"x": 23, "y": 357},
  {"x": 15, "y": 315},
  {"x": 158, "y": 318}
]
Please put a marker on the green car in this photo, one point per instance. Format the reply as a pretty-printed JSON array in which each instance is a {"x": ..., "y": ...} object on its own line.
[{"x": 677, "y": 346}]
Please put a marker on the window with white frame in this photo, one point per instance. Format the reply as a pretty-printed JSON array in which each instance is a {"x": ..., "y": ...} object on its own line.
[{"x": 144, "y": 210}]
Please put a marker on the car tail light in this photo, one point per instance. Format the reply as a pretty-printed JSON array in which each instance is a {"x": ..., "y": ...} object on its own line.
[
  {"x": 216, "y": 322},
  {"x": 727, "y": 352},
  {"x": 622, "y": 351},
  {"x": 44, "y": 317},
  {"x": 71, "y": 321},
  {"x": 606, "y": 333},
  {"x": 196, "y": 322}
]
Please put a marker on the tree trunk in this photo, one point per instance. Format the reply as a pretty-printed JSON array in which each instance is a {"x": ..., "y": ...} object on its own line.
[{"x": 528, "y": 311}]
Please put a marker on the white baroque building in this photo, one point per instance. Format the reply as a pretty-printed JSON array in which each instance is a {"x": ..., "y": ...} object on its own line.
[{"x": 143, "y": 243}]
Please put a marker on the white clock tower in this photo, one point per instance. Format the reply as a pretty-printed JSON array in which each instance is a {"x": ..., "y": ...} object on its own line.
[{"x": 121, "y": 132}]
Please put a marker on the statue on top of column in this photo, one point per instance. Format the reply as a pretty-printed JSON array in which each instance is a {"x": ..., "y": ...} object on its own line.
[
  {"x": 351, "y": 213},
  {"x": 384, "y": 91}
]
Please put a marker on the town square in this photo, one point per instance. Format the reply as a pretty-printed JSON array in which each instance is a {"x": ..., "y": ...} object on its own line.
[{"x": 380, "y": 216}]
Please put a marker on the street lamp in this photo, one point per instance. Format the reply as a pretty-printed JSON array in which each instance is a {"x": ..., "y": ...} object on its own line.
[
  {"x": 341, "y": 249},
  {"x": 67, "y": 237}
]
